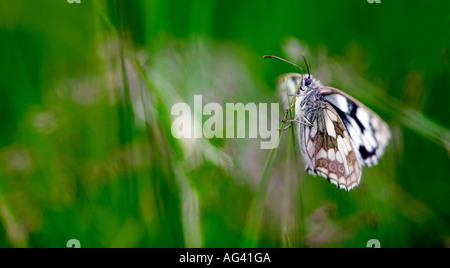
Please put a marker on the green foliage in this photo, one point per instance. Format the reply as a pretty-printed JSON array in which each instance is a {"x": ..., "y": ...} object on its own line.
[{"x": 86, "y": 150}]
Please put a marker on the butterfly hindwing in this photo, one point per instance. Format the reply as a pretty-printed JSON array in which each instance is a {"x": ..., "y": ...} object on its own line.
[{"x": 328, "y": 151}]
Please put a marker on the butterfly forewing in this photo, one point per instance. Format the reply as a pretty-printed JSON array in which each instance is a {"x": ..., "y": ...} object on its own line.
[{"x": 367, "y": 131}]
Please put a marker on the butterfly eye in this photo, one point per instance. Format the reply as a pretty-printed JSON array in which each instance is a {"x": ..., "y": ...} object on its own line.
[{"x": 308, "y": 81}]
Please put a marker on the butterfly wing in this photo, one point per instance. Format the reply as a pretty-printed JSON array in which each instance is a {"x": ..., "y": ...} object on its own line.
[
  {"x": 327, "y": 149},
  {"x": 368, "y": 132}
]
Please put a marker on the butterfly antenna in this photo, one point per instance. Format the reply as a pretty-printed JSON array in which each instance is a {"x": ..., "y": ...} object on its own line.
[
  {"x": 307, "y": 67},
  {"x": 278, "y": 58}
]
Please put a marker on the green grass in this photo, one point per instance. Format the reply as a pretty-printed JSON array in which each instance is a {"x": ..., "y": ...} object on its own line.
[{"x": 86, "y": 149}]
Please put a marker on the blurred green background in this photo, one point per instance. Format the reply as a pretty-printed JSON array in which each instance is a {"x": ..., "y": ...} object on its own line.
[{"x": 86, "y": 150}]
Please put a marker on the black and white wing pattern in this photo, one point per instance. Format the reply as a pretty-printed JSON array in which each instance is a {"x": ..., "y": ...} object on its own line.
[
  {"x": 337, "y": 134},
  {"x": 368, "y": 132}
]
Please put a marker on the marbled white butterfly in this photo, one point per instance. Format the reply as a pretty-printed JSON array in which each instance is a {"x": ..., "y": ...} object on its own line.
[{"x": 337, "y": 134}]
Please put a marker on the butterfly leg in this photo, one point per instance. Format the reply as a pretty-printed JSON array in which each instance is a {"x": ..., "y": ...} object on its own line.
[
  {"x": 286, "y": 127},
  {"x": 289, "y": 121},
  {"x": 306, "y": 121}
]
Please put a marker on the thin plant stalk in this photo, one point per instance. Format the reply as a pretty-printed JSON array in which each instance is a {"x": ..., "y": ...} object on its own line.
[{"x": 253, "y": 224}]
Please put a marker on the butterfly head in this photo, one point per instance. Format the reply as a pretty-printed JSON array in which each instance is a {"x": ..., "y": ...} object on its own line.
[{"x": 308, "y": 82}]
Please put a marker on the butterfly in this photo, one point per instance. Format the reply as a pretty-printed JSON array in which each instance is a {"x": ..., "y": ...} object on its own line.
[{"x": 337, "y": 134}]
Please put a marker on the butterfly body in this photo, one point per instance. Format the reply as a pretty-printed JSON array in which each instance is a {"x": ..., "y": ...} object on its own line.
[{"x": 337, "y": 134}]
